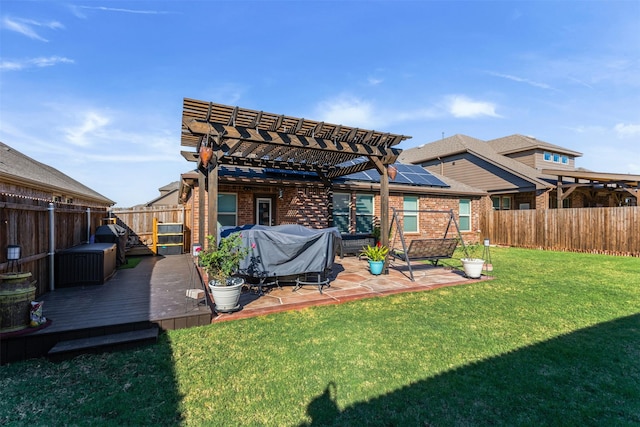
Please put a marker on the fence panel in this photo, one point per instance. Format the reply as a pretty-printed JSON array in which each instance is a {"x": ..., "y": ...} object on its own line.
[
  {"x": 26, "y": 222},
  {"x": 139, "y": 221},
  {"x": 598, "y": 230}
]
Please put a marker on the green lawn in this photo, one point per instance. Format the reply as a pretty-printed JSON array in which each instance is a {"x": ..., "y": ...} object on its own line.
[{"x": 554, "y": 340}]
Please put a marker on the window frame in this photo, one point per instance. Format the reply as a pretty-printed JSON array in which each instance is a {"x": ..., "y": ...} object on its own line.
[
  {"x": 358, "y": 215},
  {"x": 230, "y": 213},
  {"x": 464, "y": 215},
  {"x": 339, "y": 212},
  {"x": 413, "y": 213}
]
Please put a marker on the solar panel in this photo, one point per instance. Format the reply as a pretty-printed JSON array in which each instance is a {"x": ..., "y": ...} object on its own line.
[{"x": 407, "y": 174}]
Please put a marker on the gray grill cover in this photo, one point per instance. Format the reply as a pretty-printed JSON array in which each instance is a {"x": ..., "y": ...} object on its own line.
[
  {"x": 113, "y": 233},
  {"x": 286, "y": 250}
]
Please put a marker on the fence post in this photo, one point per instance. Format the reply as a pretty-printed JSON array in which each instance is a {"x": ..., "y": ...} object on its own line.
[
  {"x": 88, "y": 225},
  {"x": 52, "y": 248}
]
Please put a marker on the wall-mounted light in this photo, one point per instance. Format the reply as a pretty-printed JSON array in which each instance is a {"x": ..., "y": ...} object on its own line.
[{"x": 280, "y": 193}]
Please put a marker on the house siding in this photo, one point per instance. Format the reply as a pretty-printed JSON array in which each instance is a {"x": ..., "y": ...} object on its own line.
[{"x": 478, "y": 173}]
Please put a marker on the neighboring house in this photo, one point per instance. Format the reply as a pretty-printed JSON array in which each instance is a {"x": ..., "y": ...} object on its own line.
[
  {"x": 521, "y": 172},
  {"x": 351, "y": 203},
  {"x": 23, "y": 176},
  {"x": 168, "y": 195}
]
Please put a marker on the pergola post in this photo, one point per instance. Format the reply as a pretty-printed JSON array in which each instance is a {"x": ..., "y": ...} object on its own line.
[
  {"x": 202, "y": 237},
  {"x": 384, "y": 213},
  {"x": 213, "y": 200}
]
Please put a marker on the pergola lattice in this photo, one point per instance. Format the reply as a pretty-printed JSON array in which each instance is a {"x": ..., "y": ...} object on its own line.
[{"x": 243, "y": 137}]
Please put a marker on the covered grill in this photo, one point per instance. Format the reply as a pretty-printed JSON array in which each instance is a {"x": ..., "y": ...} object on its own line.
[
  {"x": 287, "y": 250},
  {"x": 114, "y": 233}
]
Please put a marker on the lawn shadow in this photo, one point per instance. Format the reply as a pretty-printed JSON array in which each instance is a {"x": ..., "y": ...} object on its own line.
[{"x": 587, "y": 377}]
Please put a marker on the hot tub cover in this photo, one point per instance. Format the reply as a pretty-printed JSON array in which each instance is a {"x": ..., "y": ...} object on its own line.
[{"x": 286, "y": 250}]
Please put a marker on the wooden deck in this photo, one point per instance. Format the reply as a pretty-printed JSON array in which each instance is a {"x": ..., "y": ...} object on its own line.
[{"x": 152, "y": 293}]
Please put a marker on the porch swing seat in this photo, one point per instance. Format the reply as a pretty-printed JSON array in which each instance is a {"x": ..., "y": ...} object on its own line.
[
  {"x": 426, "y": 249},
  {"x": 431, "y": 250}
]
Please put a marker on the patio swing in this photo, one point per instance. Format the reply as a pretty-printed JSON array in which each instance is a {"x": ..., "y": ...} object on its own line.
[{"x": 432, "y": 249}]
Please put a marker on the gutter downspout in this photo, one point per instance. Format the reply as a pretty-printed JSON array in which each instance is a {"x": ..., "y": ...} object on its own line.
[{"x": 52, "y": 248}]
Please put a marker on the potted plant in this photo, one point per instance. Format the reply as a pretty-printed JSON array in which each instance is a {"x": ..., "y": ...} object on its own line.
[
  {"x": 472, "y": 264},
  {"x": 221, "y": 262},
  {"x": 376, "y": 256}
]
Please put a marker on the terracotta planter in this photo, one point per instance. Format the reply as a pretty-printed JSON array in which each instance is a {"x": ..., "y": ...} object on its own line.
[{"x": 205, "y": 154}]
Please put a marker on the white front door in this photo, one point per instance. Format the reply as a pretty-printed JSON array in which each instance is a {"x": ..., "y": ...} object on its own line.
[{"x": 263, "y": 211}]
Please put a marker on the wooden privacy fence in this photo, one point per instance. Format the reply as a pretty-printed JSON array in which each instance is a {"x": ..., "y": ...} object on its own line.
[
  {"x": 139, "y": 221},
  {"x": 26, "y": 222},
  {"x": 614, "y": 231}
]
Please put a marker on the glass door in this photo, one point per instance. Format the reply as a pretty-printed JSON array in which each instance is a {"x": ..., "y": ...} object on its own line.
[{"x": 264, "y": 215}]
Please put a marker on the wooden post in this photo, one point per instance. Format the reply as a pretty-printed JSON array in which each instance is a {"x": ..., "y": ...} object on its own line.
[
  {"x": 202, "y": 237},
  {"x": 384, "y": 213},
  {"x": 559, "y": 191},
  {"x": 213, "y": 200}
]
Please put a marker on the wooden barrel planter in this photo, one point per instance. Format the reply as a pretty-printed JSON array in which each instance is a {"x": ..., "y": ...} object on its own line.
[{"x": 17, "y": 290}]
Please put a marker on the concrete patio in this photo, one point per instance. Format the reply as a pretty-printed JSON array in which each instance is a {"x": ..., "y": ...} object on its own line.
[{"x": 350, "y": 280}]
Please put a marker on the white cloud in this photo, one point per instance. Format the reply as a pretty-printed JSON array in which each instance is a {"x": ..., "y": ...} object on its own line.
[
  {"x": 463, "y": 107},
  {"x": 16, "y": 65},
  {"x": 522, "y": 80},
  {"x": 627, "y": 130},
  {"x": 120, "y": 10},
  {"x": 26, "y": 27},
  {"x": 92, "y": 126},
  {"x": 373, "y": 81},
  {"x": 349, "y": 111}
]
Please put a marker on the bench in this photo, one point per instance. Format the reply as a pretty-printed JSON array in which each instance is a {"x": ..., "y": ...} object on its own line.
[
  {"x": 353, "y": 243},
  {"x": 431, "y": 250}
]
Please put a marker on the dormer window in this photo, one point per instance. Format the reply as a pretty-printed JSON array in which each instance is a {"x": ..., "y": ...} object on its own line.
[{"x": 555, "y": 158}]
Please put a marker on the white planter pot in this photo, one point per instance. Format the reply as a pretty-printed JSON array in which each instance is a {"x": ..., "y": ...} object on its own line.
[
  {"x": 226, "y": 298},
  {"x": 472, "y": 267}
]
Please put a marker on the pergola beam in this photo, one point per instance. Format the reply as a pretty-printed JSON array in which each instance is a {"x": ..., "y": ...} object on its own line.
[{"x": 289, "y": 140}]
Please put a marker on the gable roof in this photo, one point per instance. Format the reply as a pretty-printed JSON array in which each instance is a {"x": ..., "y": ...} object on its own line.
[
  {"x": 22, "y": 170},
  {"x": 518, "y": 143},
  {"x": 458, "y": 144}
]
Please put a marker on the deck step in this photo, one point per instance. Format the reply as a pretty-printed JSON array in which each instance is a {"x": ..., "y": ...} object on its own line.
[{"x": 68, "y": 349}]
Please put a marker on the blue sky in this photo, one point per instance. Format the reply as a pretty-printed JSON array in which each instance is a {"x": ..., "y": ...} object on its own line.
[{"x": 95, "y": 88}]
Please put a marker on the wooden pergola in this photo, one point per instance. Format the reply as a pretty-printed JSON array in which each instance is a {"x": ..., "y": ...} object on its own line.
[
  {"x": 227, "y": 135},
  {"x": 616, "y": 183}
]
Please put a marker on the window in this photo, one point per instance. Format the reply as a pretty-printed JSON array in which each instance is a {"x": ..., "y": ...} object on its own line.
[
  {"x": 364, "y": 213},
  {"x": 227, "y": 209},
  {"x": 547, "y": 156},
  {"x": 465, "y": 215},
  {"x": 506, "y": 203},
  {"x": 556, "y": 158},
  {"x": 501, "y": 203},
  {"x": 341, "y": 211},
  {"x": 495, "y": 201},
  {"x": 565, "y": 160},
  {"x": 410, "y": 207}
]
